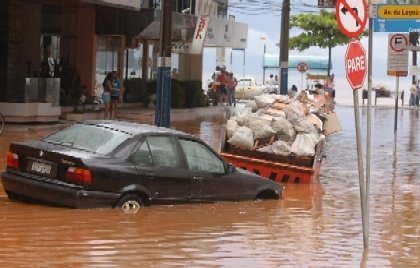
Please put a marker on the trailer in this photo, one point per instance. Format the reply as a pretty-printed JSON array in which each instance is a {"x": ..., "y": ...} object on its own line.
[{"x": 278, "y": 168}]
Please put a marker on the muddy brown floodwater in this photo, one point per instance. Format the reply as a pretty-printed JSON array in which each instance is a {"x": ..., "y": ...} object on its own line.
[{"x": 312, "y": 226}]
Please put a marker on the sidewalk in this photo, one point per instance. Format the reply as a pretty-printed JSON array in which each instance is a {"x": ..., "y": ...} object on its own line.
[{"x": 129, "y": 113}]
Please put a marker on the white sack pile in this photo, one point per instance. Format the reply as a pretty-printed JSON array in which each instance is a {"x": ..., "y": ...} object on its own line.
[{"x": 285, "y": 122}]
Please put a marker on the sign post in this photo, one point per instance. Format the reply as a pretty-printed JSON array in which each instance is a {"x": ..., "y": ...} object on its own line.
[
  {"x": 355, "y": 63},
  {"x": 352, "y": 17},
  {"x": 302, "y": 68},
  {"x": 397, "y": 66}
]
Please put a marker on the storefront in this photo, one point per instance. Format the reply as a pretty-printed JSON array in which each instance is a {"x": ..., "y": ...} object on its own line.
[{"x": 67, "y": 40}]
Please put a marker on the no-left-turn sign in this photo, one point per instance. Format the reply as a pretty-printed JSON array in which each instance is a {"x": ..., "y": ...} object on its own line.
[{"x": 351, "y": 16}]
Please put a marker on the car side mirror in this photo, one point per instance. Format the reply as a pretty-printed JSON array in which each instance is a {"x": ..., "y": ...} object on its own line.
[{"x": 231, "y": 168}]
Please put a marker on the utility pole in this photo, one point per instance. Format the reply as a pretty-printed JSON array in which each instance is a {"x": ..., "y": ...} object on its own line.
[
  {"x": 163, "y": 88},
  {"x": 284, "y": 47},
  {"x": 264, "y": 40}
]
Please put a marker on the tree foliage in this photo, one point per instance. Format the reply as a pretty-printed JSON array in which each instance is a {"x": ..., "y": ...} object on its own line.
[{"x": 319, "y": 30}]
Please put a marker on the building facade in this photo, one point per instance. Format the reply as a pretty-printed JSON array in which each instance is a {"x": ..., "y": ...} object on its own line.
[{"x": 51, "y": 47}]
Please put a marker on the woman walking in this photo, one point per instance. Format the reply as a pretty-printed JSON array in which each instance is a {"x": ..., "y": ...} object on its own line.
[{"x": 106, "y": 95}]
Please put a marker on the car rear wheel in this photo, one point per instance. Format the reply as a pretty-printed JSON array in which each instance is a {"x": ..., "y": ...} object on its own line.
[{"x": 130, "y": 203}]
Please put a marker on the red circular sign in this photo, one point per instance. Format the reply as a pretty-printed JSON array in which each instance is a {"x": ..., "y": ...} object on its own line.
[
  {"x": 351, "y": 16},
  {"x": 302, "y": 67},
  {"x": 356, "y": 64},
  {"x": 398, "y": 42}
]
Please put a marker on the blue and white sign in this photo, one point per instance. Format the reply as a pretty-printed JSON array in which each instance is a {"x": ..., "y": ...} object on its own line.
[
  {"x": 396, "y": 25},
  {"x": 396, "y": 18}
]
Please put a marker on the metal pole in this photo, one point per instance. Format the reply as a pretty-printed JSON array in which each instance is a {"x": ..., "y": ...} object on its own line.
[
  {"x": 301, "y": 81},
  {"x": 396, "y": 114},
  {"x": 244, "y": 65},
  {"x": 163, "y": 89},
  {"x": 284, "y": 47},
  {"x": 369, "y": 126},
  {"x": 360, "y": 163},
  {"x": 264, "y": 63}
]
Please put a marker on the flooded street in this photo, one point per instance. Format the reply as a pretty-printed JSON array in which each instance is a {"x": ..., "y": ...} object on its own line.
[{"x": 311, "y": 226}]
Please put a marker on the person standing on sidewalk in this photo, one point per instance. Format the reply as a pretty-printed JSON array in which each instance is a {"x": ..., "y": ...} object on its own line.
[
  {"x": 222, "y": 85},
  {"x": 413, "y": 95},
  {"x": 215, "y": 86},
  {"x": 106, "y": 95},
  {"x": 115, "y": 94},
  {"x": 231, "y": 83}
]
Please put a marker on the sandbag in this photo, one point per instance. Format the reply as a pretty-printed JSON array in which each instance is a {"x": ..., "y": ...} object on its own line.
[
  {"x": 244, "y": 111},
  {"x": 304, "y": 144},
  {"x": 294, "y": 110},
  {"x": 284, "y": 129},
  {"x": 264, "y": 101},
  {"x": 302, "y": 125},
  {"x": 261, "y": 128},
  {"x": 275, "y": 112},
  {"x": 231, "y": 126},
  {"x": 278, "y": 147},
  {"x": 243, "y": 137},
  {"x": 253, "y": 105},
  {"x": 241, "y": 116}
]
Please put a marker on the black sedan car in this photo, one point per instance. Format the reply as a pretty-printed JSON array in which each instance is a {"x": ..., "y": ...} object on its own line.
[{"x": 126, "y": 165}]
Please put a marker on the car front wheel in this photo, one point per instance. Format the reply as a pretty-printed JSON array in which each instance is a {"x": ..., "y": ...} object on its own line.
[{"x": 130, "y": 203}]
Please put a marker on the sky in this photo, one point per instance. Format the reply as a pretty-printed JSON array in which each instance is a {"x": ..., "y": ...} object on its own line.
[{"x": 269, "y": 25}]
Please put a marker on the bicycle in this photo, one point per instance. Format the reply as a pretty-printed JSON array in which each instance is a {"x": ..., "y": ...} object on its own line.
[{"x": 1, "y": 123}]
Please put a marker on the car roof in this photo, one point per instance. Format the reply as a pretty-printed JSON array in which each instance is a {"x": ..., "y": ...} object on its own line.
[{"x": 133, "y": 128}]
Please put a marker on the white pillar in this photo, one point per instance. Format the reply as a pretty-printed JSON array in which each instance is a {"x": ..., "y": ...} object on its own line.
[{"x": 220, "y": 56}]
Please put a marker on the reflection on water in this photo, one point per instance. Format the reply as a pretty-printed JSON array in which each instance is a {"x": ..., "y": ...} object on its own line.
[{"x": 313, "y": 225}]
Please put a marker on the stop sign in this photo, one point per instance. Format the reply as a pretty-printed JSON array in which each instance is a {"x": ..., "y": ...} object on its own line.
[{"x": 355, "y": 60}]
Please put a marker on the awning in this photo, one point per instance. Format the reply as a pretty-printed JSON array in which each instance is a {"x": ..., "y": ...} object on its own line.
[
  {"x": 313, "y": 62},
  {"x": 179, "y": 22},
  {"x": 151, "y": 32},
  {"x": 129, "y": 4}
]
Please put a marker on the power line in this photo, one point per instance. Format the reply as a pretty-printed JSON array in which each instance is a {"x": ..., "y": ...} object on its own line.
[{"x": 261, "y": 7}]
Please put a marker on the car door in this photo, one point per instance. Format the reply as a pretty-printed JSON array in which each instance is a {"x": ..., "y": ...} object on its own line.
[
  {"x": 161, "y": 169},
  {"x": 211, "y": 182}
]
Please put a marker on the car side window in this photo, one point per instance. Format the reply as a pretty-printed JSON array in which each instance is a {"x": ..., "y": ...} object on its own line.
[
  {"x": 142, "y": 157},
  {"x": 200, "y": 158},
  {"x": 164, "y": 151}
]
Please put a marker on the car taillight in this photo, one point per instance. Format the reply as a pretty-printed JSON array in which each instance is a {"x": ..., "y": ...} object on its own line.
[
  {"x": 79, "y": 175},
  {"x": 12, "y": 160}
]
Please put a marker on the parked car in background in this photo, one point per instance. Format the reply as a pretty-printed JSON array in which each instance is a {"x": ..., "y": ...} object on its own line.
[
  {"x": 125, "y": 165},
  {"x": 247, "y": 88}
]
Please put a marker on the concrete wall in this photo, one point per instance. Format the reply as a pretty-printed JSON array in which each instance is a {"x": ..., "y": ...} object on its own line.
[{"x": 190, "y": 67}]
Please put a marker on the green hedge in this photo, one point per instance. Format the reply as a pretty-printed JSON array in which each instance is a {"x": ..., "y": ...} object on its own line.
[{"x": 184, "y": 94}]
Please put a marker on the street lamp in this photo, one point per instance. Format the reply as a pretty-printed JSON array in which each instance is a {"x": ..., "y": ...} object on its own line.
[{"x": 264, "y": 40}]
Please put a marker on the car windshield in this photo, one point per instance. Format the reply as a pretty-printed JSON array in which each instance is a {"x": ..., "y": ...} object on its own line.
[{"x": 88, "y": 138}]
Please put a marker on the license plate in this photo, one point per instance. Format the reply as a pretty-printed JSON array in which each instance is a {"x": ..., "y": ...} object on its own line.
[{"x": 42, "y": 168}]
